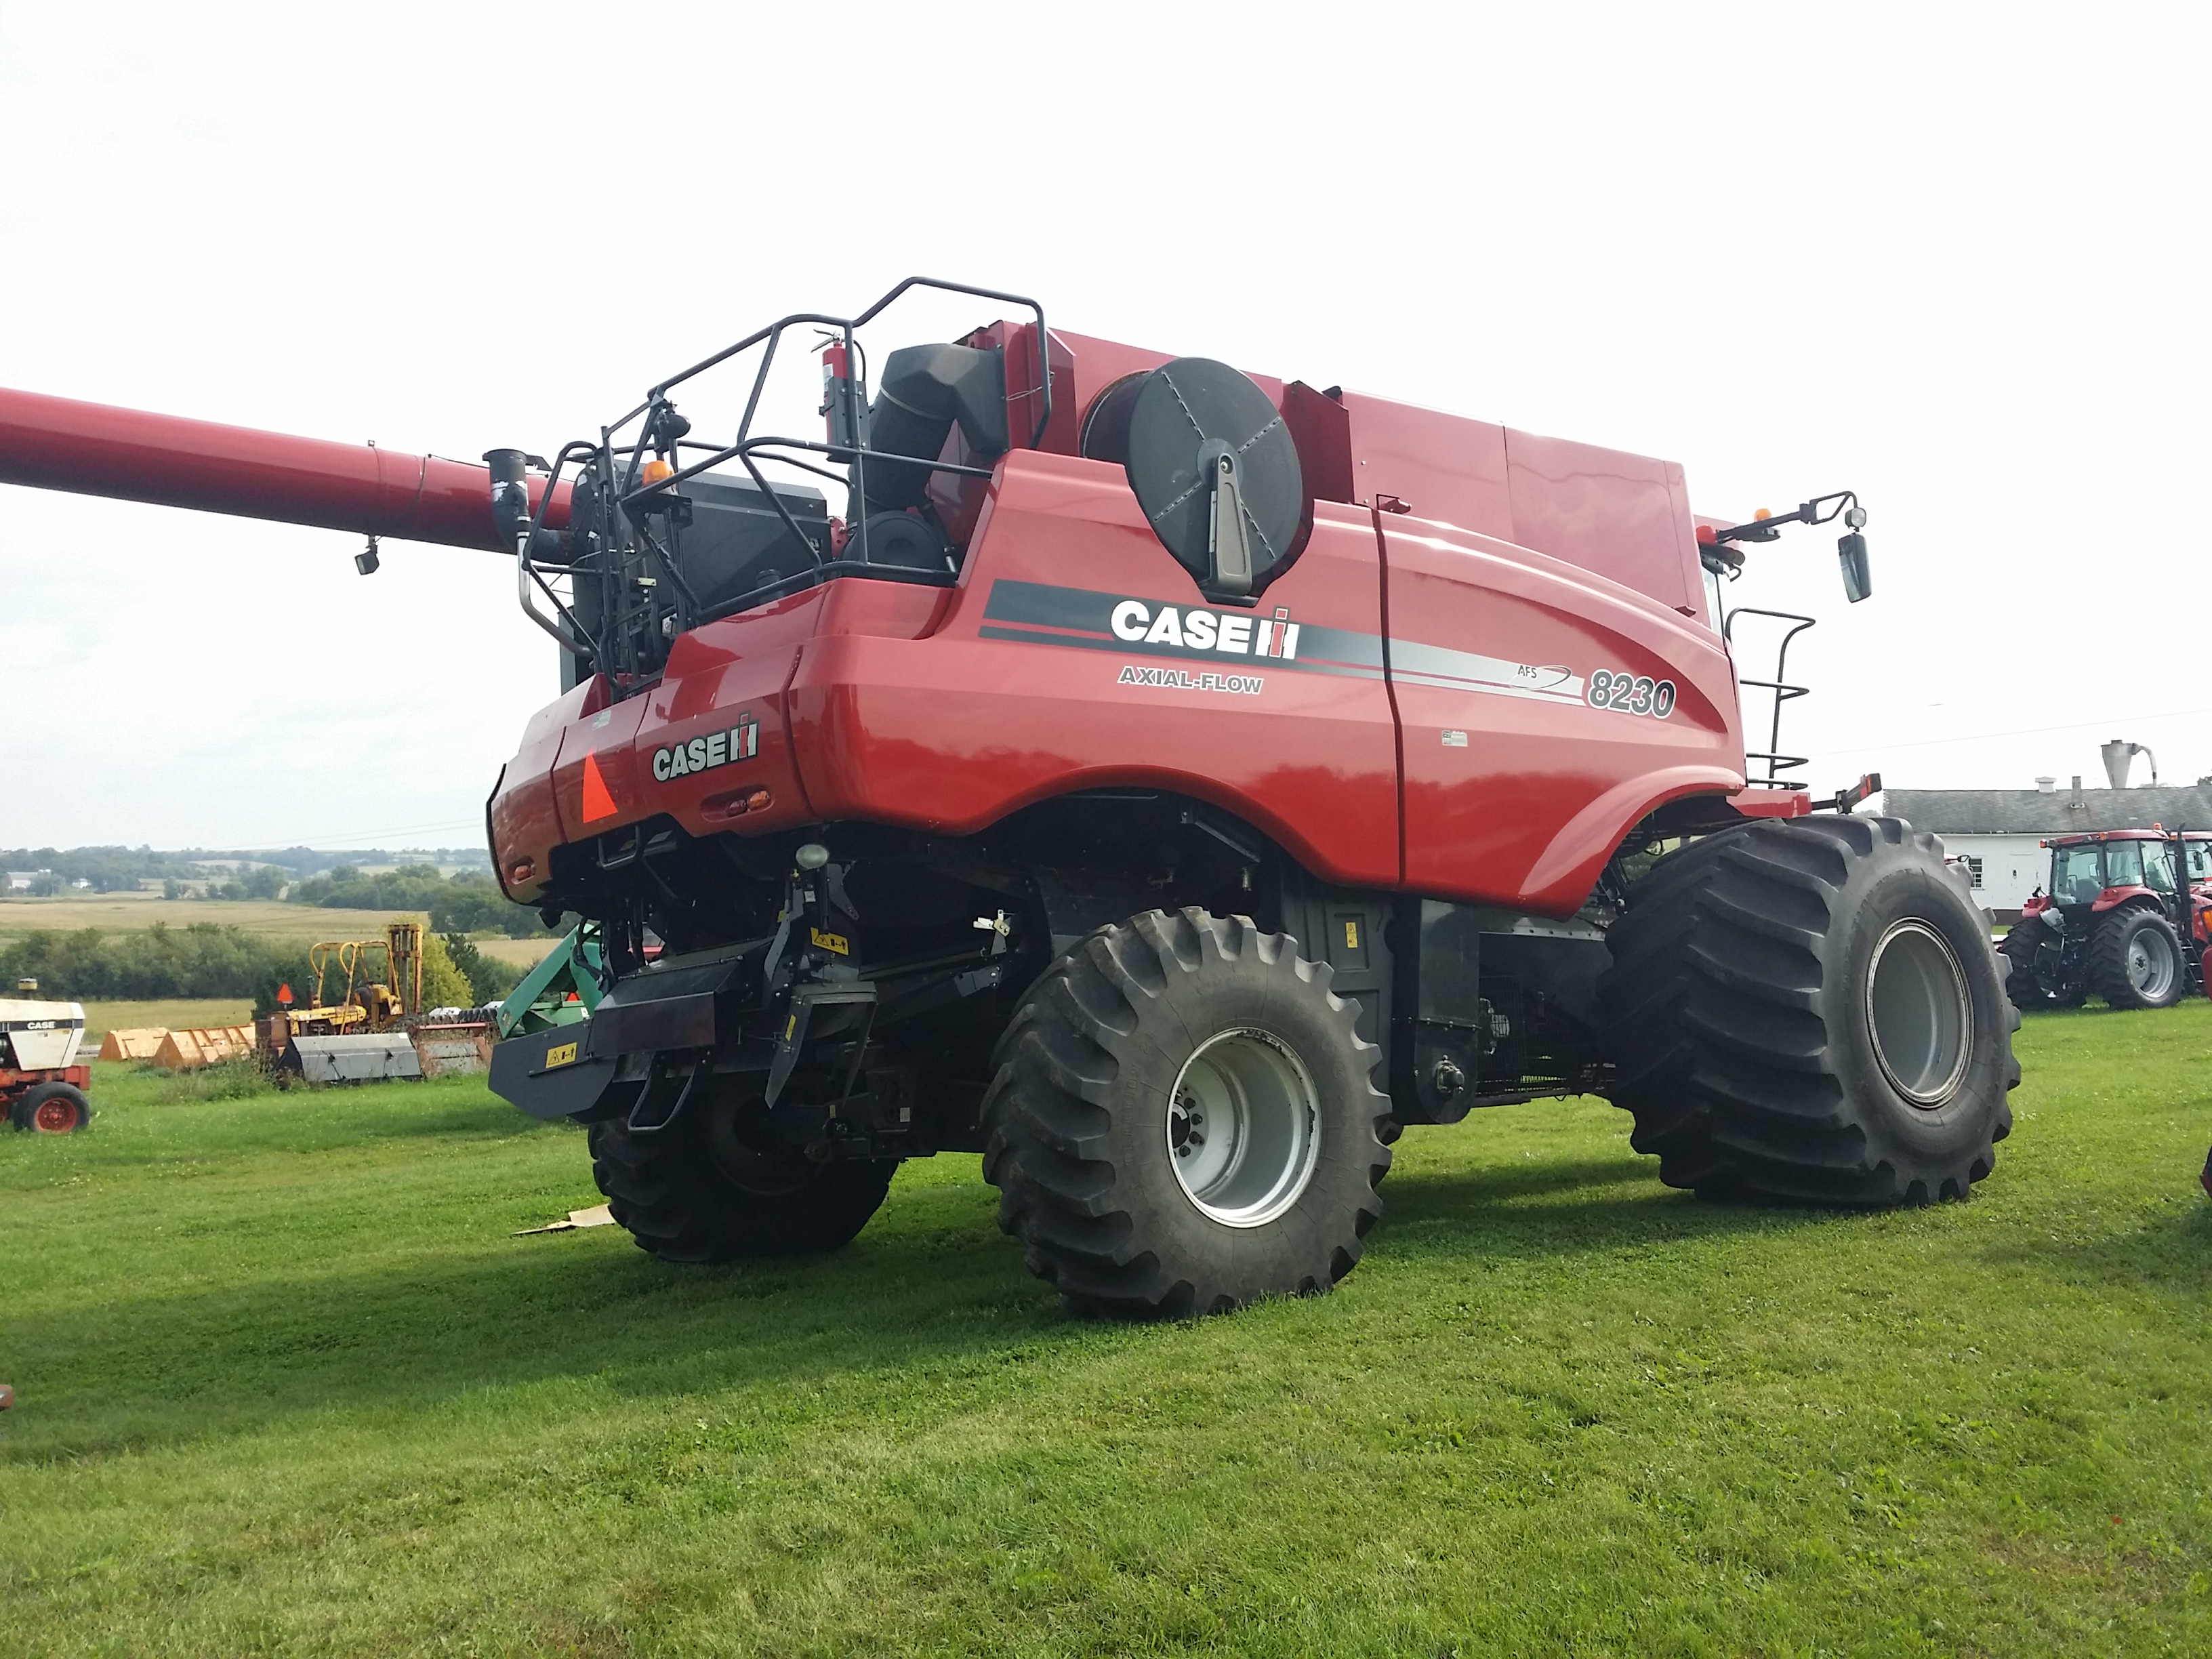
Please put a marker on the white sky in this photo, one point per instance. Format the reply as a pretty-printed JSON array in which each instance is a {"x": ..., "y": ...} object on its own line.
[{"x": 1952, "y": 257}]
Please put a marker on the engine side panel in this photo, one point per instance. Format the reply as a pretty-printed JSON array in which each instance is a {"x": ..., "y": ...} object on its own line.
[{"x": 1029, "y": 688}]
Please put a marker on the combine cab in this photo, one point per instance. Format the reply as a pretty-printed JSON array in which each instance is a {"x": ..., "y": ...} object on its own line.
[
  {"x": 2114, "y": 922},
  {"x": 1171, "y": 783}
]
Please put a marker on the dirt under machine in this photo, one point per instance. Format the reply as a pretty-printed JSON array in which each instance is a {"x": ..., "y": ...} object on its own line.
[{"x": 1168, "y": 782}]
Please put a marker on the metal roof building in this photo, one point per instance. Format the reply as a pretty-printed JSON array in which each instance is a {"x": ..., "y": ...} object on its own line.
[{"x": 1998, "y": 833}]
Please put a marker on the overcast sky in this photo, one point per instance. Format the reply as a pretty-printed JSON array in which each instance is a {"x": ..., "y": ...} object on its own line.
[{"x": 1951, "y": 257}]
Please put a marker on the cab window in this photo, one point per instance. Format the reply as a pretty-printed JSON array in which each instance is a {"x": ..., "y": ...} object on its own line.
[
  {"x": 2077, "y": 874},
  {"x": 2200, "y": 861},
  {"x": 2158, "y": 866},
  {"x": 2123, "y": 865}
]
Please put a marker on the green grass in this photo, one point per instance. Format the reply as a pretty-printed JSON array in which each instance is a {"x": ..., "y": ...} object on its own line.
[{"x": 287, "y": 1384}]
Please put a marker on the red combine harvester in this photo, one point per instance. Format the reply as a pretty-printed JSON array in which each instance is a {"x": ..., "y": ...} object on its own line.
[
  {"x": 1167, "y": 781},
  {"x": 2115, "y": 921}
]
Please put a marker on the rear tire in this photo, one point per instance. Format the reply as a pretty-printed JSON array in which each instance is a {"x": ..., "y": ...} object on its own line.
[
  {"x": 51, "y": 1108},
  {"x": 2023, "y": 985},
  {"x": 697, "y": 1192},
  {"x": 2134, "y": 960},
  {"x": 1182, "y": 1120},
  {"x": 1810, "y": 1011}
]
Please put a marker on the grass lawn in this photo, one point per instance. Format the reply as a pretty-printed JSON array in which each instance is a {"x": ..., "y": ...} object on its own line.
[{"x": 285, "y": 1384}]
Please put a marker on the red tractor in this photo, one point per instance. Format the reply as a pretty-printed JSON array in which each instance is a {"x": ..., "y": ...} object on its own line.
[
  {"x": 1167, "y": 781},
  {"x": 2114, "y": 921}
]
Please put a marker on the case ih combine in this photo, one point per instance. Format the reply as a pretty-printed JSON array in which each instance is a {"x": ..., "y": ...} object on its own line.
[{"x": 1168, "y": 781}]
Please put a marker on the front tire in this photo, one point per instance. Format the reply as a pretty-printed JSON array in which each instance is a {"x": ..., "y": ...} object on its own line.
[
  {"x": 51, "y": 1108},
  {"x": 2134, "y": 960},
  {"x": 1809, "y": 1009},
  {"x": 1182, "y": 1121},
  {"x": 697, "y": 1191}
]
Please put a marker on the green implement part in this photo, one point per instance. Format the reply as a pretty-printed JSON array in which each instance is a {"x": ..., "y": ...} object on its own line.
[{"x": 561, "y": 990}]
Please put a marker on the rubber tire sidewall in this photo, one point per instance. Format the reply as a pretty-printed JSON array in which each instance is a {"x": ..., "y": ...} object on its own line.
[
  {"x": 678, "y": 1200},
  {"x": 26, "y": 1111},
  {"x": 1891, "y": 890},
  {"x": 2128, "y": 922},
  {"x": 1245, "y": 1262}
]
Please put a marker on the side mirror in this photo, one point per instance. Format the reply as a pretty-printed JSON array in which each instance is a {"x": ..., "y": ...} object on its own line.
[{"x": 1851, "y": 553}]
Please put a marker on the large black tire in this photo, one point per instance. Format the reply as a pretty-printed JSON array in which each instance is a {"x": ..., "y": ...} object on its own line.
[
  {"x": 2134, "y": 960},
  {"x": 51, "y": 1108},
  {"x": 697, "y": 1192},
  {"x": 2028, "y": 990},
  {"x": 1760, "y": 1051},
  {"x": 1145, "y": 1118}
]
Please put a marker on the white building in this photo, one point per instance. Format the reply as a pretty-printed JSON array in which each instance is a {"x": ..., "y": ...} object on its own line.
[{"x": 1999, "y": 833}]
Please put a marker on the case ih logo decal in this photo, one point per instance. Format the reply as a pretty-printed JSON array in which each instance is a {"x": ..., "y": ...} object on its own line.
[
  {"x": 1128, "y": 624},
  {"x": 1201, "y": 630},
  {"x": 740, "y": 743},
  {"x": 1082, "y": 619}
]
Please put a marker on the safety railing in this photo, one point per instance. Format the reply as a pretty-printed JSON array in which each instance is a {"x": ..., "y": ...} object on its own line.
[{"x": 1782, "y": 692}]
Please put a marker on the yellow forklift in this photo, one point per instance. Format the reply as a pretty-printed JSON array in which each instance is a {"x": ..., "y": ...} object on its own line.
[{"x": 366, "y": 1003}]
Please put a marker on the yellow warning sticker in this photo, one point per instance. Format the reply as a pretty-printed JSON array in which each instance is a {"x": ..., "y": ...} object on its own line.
[
  {"x": 837, "y": 942},
  {"x": 564, "y": 1055},
  {"x": 1351, "y": 936}
]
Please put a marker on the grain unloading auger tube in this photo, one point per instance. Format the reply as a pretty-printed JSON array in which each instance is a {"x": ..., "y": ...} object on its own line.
[{"x": 1171, "y": 782}]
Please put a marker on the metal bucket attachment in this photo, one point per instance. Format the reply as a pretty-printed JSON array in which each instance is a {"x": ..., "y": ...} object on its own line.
[{"x": 363, "y": 1059}]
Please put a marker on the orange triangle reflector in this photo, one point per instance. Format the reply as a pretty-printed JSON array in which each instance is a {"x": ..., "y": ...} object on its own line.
[{"x": 598, "y": 803}]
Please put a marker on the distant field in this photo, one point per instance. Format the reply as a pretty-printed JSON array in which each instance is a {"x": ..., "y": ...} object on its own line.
[
  {"x": 517, "y": 953},
  {"x": 101, "y": 1018},
  {"x": 126, "y": 912}
]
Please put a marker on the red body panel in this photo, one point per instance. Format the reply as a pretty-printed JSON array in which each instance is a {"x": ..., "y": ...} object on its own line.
[
  {"x": 94, "y": 449},
  {"x": 1517, "y": 790},
  {"x": 13, "y": 1082},
  {"x": 1045, "y": 672},
  {"x": 1004, "y": 705}
]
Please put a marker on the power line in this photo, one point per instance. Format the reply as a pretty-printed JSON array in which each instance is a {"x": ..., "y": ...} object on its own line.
[{"x": 2014, "y": 732}]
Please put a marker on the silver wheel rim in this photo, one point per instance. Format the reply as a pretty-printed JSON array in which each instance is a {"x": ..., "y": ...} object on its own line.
[
  {"x": 1919, "y": 1014},
  {"x": 1244, "y": 1127},
  {"x": 2151, "y": 966}
]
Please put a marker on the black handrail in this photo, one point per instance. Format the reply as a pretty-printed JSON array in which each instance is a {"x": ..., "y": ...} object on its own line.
[
  {"x": 1777, "y": 762},
  {"x": 630, "y": 497}
]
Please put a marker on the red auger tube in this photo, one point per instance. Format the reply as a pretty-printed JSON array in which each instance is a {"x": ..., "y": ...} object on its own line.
[{"x": 92, "y": 449}]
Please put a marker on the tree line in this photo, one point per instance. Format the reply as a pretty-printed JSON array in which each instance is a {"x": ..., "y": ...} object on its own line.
[{"x": 208, "y": 960}]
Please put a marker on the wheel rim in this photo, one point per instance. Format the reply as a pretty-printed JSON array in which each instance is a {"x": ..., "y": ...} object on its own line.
[
  {"x": 54, "y": 1117},
  {"x": 1244, "y": 1127},
  {"x": 1918, "y": 1012},
  {"x": 755, "y": 1170},
  {"x": 2151, "y": 965}
]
